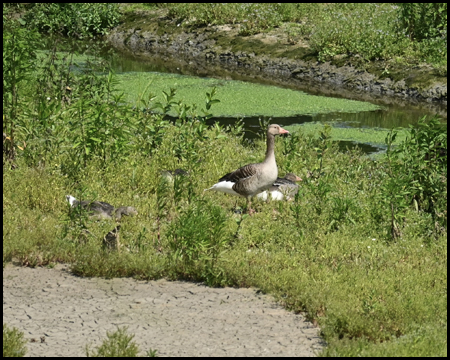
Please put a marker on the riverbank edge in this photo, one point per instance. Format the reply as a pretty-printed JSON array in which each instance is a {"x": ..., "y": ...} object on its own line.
[{"x": 218, "y": 49}]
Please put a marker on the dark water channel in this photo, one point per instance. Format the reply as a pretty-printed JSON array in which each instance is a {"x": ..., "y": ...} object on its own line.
[{"x": 391, "y": 115}]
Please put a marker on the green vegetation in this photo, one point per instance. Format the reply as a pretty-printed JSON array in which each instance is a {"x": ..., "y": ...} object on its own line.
[
  {"x": 13, "y": 342},
  {"x": 118, "y": 344},
  {"x": 72, "y": 19},
  {"x": 402, "y": 34},
  {"x": 237, "y": 98},
  {"x": 361, "y": 250},
  {"x": 406, "y": 33}
]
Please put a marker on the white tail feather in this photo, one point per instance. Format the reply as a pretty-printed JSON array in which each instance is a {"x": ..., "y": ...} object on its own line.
[{"x": 225, "y": 187}]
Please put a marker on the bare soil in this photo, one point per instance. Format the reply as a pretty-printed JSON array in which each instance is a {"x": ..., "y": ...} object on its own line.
[{"x": 61, "y": 313}]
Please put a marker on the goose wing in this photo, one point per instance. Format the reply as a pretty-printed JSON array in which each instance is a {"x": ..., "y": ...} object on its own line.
[
  {"x": 243, "y": 173},
  {"x": 104, "y": 205}
]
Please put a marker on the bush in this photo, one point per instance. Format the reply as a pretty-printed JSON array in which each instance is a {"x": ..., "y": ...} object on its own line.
[
  {"x": 425, "y": 24},
  {"x": 363, "y": 29},
  {"x": 423, "y": 20},
  {"x": 18, "y": 62},
  {"x": 416, "y": 175},
  {"x": 73, "y": 19}
]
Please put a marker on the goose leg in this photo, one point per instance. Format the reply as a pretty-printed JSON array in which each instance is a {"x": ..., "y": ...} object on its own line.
[{"x": 249, "y": 207}]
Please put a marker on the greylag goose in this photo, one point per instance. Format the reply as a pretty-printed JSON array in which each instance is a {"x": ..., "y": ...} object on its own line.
[
  {"x": 252, "y": 179},
  {"x": 282, "y": 188},
  {"x": 101, "y": 209}
]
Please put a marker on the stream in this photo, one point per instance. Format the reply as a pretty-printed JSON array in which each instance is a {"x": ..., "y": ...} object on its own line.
[{"x": 392, "y": 113}]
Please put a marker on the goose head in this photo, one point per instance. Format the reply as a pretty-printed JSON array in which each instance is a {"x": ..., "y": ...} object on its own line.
[
  {"x": 125, "y": 210},
  {"x": 292, "y": 177},
  {"x": 275, "y": 129}
]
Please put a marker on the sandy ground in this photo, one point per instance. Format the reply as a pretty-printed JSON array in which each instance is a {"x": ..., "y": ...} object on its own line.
[{"x": 60, "y": 314}]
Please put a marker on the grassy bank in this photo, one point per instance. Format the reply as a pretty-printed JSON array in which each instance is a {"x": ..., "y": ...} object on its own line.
[{"x": 400, "y": 34}]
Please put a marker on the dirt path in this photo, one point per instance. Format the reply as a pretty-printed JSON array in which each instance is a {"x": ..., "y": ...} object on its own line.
[{"x": 175, "y": 318}]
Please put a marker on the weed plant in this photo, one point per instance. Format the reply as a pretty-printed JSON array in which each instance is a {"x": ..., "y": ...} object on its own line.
[
  {"x": 118, "y": 344},
  {"x": 13, "y": 342},
  {"x": 361, "y": 250}
]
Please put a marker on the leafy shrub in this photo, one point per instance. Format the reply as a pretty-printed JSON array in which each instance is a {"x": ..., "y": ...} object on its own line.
[
  {"x": 363, "y": 29},
  {"x": 416, "y": 175},
  {"x": 73, "y": 19},
  {"x": 425, "y": 24},
  {"x": 423, "y": 20},
  {"x": 18, "y": 62}
]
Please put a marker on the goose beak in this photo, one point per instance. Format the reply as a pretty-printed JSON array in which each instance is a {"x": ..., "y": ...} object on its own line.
[
  {"x": 297, "y": 178},
  {"x": 282, "y": 131}
]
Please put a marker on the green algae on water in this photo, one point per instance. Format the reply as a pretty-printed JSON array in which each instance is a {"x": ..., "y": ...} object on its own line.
[
  {"x": 237, "y": 98},
  {"x": 373, "y": 136}
]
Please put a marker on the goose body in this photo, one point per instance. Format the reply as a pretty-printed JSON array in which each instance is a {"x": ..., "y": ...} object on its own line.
[
  {"x": 101, "y": 209},
  {"x": 251, "y": 179},
  {"x": 282, "y": 188}
]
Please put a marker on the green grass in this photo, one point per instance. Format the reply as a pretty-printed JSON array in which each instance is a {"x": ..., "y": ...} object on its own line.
[{"x": 425, "y": 342}]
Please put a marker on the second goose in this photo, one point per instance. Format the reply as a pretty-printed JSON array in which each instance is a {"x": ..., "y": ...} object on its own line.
[{"x": 282, "y": 188}]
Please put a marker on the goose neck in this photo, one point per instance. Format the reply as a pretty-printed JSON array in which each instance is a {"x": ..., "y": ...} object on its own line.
[{"x": 270, "y": 151}]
